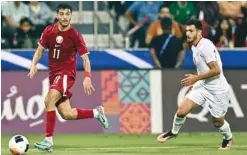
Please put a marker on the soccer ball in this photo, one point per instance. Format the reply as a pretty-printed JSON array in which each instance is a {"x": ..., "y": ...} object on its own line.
[{"x": 18, "y": 145}]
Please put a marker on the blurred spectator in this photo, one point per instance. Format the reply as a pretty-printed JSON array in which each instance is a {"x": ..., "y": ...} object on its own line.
[
  {"x": 241, "y": 33},
  {"x": 231, "y": 9},
  {"x": 126, "y": 5},
  {"x": 40, "y": 15},
  {"x": 210, "y": 11},
  {"x": 23, "y": 38},
  {"x": 155, "y": 28},
  {"x": 241, "y": 29},
  {"x": 12, "y": 13},
  {"x": 224, "y": 35},
  {"x": 166, "y": 48},
  {"x": 143, "y": 10},
  {"x": 118, "y": 8},
  {"x": 182, "y": 11}
]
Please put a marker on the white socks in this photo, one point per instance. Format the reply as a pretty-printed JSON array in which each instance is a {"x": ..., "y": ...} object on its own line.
[
  {"x": 179, "y": 121},
  {"x": 49, "y": 139},
  {"x": 177, "y": 124},
  {"x": 226, "y": 130},
  {"x": 95, "y": 113}
]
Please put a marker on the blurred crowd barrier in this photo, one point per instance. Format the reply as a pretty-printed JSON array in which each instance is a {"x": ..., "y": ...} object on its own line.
[{"x": 117, "y": 59}]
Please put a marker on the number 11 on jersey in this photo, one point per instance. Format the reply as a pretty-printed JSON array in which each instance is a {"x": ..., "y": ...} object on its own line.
[{"x": 56, "y": 54}]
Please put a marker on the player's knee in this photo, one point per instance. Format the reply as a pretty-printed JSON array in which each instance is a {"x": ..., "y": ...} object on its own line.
[
  {"x": 181, "y": 112},
  {"x": 67, "y": 115},
  {"x": 217, "y": 123},
  {"x": 63, "y": 115},
  {"x": 47, "y": 100},
  {"x": 50, "y": 100},
  {"x": 185, "y": 107}
]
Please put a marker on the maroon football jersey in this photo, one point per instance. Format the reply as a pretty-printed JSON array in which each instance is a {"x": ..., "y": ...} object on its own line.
[{"x": 62, "y": 46}]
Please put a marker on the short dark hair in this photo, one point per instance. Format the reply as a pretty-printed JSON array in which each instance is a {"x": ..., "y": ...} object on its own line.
[
  {"x": 24, "y": 20},
  {"x": 64, "y": 6},
  {"x": 166, "y": 24},
  {"x": 195, "y": 22},
  {"x": 162, "y": 6}
]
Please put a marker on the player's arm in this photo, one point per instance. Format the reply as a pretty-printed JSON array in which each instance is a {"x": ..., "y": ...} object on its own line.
[
  {"x": 87, "y": 84},
  {"x": 87, "y": 65},
  {"x": 190, "y": 79},
  {"x": 214, "y": 71},
  {"x": 209, "y": 56},
  {"x": 83, "y": 51},
  {"x": 39, "y": 52}
]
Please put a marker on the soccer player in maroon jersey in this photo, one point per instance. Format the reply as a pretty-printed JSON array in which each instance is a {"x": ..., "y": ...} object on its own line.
[{"x": 63, "y": 41}]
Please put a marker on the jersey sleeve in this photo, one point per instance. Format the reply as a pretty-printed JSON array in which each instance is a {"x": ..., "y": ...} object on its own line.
[
  {"x": 43, "y": 39},
  {"x": 80, "y": 44},
  {"x": 208, "y": 53}
]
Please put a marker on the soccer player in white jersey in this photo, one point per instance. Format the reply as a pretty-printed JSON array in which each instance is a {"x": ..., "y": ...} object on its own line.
[{"x": 208, "y": 86}]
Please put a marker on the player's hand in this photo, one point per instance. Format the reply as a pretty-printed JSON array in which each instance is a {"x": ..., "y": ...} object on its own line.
[
  {"x": 32, "y": 71},
  {"x": 88, "y": 87},
  {"x": 189, "y": 80}
]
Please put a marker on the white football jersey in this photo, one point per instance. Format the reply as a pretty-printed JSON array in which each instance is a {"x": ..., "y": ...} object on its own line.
[{"x": 203, "y": 53}]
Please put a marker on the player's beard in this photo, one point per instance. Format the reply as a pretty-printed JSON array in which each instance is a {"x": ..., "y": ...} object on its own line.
[
  {"x": 65, "y": 25},
  {"x": 193, "y": 38},
  {"x": 190, "y": 41},
  {"x": 62, "y": 23}
]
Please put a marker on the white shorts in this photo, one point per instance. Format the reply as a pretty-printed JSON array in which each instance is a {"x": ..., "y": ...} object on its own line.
[{"x": 217, "y": 103}]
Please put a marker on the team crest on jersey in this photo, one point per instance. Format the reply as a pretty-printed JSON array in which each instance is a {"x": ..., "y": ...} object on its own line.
[{"x": 59, "y": 39}]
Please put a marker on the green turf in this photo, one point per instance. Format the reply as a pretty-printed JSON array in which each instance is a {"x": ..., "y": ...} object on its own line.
[{"x": 111, "y": 144}]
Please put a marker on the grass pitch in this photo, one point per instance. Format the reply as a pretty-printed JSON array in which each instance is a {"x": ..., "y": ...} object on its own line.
[{"x": 116, "y": 144}]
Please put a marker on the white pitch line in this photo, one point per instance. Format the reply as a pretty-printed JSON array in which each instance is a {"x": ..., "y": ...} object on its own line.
[
  {"x": 36, "y": 123},
  {"x": 124, "y": 148},
  {"x": 76, "y": 149},
  {"x": 142, "y": 147},
  {"x": 108, "y": 148}
]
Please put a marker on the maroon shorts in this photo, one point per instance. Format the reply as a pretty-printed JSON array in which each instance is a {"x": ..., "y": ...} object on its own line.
[{"x": 62, "y": 83}]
